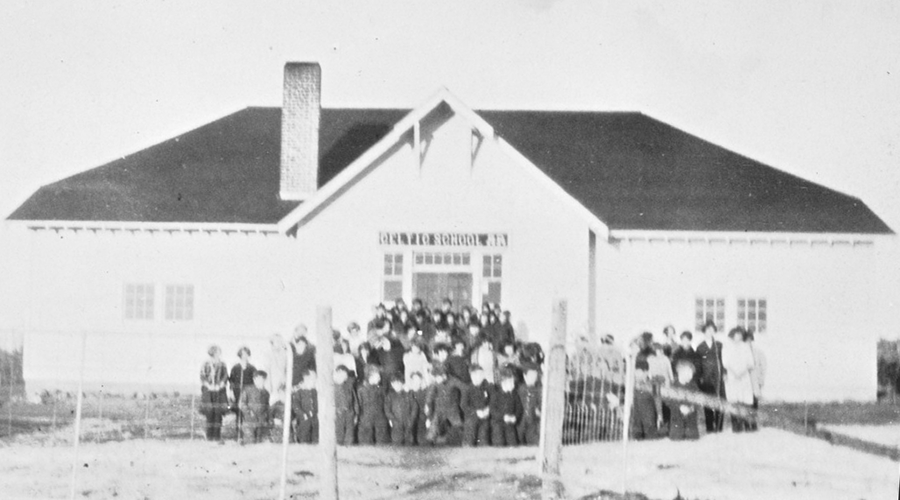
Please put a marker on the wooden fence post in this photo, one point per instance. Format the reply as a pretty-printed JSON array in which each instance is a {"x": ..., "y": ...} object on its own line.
[
  {"x": 328, "y": 487},
  {"x": 73, "y": 485},
  {"x": 553, "y": 410},
  {"x": 286, "y": 416}
]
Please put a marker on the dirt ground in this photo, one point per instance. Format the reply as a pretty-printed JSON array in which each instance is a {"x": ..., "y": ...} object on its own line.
[{"x": 768, "y": 464}]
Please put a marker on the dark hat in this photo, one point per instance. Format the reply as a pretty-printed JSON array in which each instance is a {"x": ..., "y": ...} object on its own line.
[
  {"x": 641, "y": 364},
  {"x": 608, "y": 339},
  {"x": 507, "y": 373},
  {"x": 397, "y": 377},
  {"x": 261, "y": 373}
]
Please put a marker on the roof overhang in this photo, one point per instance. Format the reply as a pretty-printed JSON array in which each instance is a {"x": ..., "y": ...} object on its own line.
[
  {"x": 633, "y": 236},
  {"x": 148, "y": 227}
]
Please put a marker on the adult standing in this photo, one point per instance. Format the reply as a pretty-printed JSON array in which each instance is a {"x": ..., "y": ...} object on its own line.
[
  {"x": 213, "y": 396},
  {"x": 241, "y": 376},
  {"x": 737, "y": 359},
  {"x": 758, "y": 374},
  {"x": 709, "y": 351}
]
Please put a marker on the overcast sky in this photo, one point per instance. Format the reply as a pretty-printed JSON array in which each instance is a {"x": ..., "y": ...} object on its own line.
[{"x": 809, "y": 87}]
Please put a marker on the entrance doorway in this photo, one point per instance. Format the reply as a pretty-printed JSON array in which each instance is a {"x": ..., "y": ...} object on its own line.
[{"x": 432, "y": 288}]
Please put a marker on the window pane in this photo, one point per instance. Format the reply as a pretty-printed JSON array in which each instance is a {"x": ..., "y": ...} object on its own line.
[
  {"x": 388, "y": 265},
  {"x": 419, "y": 258},
  {"x": 429, "y": 258},
  {"x": 498, "y": 266},
  {"x": 486, "y": 266},
  {"x": 465, "y": 259},
  {"x": 398, "y": 265},
  {"x": 710, "y": 303},
  {"x": 751, "y": 304},
  {"x": 457, "y": 259}
]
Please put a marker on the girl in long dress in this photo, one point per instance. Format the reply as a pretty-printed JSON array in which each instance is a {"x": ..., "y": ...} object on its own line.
[
  {"x": 737, "y": 360},
  {"x": 213, "y": 397}
]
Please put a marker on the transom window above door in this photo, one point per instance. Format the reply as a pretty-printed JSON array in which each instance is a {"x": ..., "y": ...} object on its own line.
[{"x": 443, "y": 258}]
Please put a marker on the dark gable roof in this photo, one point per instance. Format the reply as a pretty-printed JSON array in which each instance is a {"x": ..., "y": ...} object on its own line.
[
  {"x": 225, "y": 171},
  {"x": 630, "y": 170}
]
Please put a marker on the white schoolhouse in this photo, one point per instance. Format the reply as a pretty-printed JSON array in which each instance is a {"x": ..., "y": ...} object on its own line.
[{"x": 240, "y": 228}]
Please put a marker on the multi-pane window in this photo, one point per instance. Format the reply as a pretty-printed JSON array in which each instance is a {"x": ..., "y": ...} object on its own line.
[
  {"x": 492, "y": 275},
  {"x": 180, "y": 302},
  {"x": 710, "y": 308},
  {"x": 139, "y": 299},
  {"x": 443, "y": 258},
  {"x": 752, "y": 314},
  {"x": 393, "y": 276}
]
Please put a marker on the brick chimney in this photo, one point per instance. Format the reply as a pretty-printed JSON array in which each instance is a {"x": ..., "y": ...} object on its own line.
[{"x": 300, "y": 112}]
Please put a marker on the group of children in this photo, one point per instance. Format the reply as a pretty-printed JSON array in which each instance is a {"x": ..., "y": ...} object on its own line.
[
  {"x": 415, "y": 377},
  {"x": 733, "y": 370}
]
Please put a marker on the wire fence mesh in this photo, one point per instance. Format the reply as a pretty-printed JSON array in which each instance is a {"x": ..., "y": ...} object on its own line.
[{"x": 595, "y": 395}]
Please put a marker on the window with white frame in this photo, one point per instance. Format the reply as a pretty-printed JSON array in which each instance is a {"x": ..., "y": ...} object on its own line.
[
  {"x": 442, "y": 259},
  {"x": 491, "y": 278},
  {"x": 710, "y": 308},
  {"x": 180, "y": 302},
  {"x": 393, "y": 276},
  {"x": 139, "y": 301},
  {"x": 752, "y": 314}
]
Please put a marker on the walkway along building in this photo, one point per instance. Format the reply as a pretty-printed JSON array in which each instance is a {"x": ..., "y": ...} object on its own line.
[{"x": 240, "y": 228}]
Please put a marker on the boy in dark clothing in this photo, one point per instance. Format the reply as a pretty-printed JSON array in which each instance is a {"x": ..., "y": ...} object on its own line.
[
  {"x": 420, "y": 393},
  {"x": 307, "y": 410},
  {"x": 476, "y": 407},
  {"x": 304, "y": 358},
  {"x": 683, "y": 424},
  {"x": 530, "y": 396},
  {"x": 643, "y": 416},
  {"x": 442, "y": 407},
  {"x": 506, "y": 411},
  {"x": 503, "y": 332},
  {"x": 346, "y": 406},
  {"x": 458, "y": 363},
  {"x": 373, "y": 426},
  {"x": 401, "y": 411},
  {"x": 710, "y": 379},
  {"x": 253, "y": 404},
  {"x": 685, "y": 352},
  {"x": 241, "y": 376}
]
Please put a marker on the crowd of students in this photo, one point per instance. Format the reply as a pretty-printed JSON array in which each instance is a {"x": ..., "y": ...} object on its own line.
[
  {"x": 413, "y": 377},
  {"x": 733, "y": 370},
  {"x": 424, "y": 377}
]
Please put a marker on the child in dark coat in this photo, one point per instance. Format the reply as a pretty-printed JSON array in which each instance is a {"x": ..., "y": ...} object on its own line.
[
  {"x": 458, "y": 363},
  {"x": 373, "y": 425},
  {"x": 476, "y": 407},
  {"x": 401, "y": 411},
  {"x": 308, "y": 410},
  {"x": 254, "y": 406},
  {"x": 416, "y": 386},
  {"x": 643, "y": 417},
  {"x": 442, "y": 407},
  {"x": 683, "y": 423},
  {"x": 506, "y": 411},
  {"x": 530, "y": 396},
  {"x": 346, "y": 406}
]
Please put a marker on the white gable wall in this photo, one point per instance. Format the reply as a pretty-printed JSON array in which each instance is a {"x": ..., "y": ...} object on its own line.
[{"x": 546, "y": 256}]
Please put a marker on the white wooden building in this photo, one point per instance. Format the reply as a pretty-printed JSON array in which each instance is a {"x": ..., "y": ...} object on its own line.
[{"x": 240, "y": 228}]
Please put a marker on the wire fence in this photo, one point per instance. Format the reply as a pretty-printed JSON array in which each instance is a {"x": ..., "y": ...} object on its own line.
[
  {"x": 134, "y": 385},
  {"x": 595, "y": 397}
]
